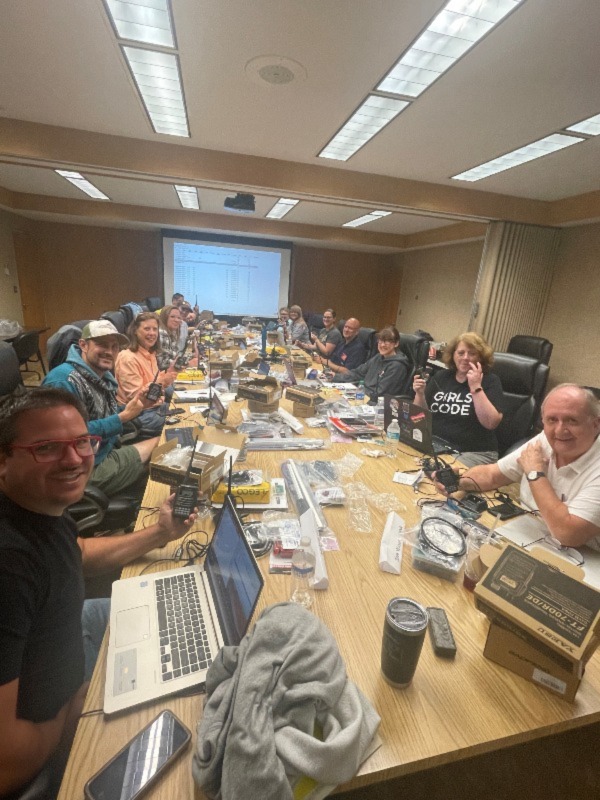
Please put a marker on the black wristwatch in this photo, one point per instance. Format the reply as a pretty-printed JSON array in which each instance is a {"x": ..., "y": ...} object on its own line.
[{"x": 534, "y": 475}]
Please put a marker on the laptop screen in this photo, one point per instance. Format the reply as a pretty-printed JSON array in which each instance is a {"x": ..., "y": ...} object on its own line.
[
  {"x": 216, "y": 410},
  {"x": 235, "y": 579}
]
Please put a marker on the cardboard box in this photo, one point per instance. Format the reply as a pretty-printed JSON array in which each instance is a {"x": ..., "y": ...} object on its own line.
[
  {"x": 255, "y": 407},
  {"x": 226, "y": 362},
  {"x": 545, "y": 619},
  {"x": 209, "y": 457},
  {"x": 299, "y": 410},
  {"x": 304, "y": 395},
  {"x": 263, "y": 389}
]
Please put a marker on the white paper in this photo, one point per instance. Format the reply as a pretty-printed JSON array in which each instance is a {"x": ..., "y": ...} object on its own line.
[{"x": 408, "y": 478}]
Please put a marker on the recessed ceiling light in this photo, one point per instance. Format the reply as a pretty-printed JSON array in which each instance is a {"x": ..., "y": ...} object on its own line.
[
  {"x": 158, "y": 82},
  {"x": 591, "y": 126},
  {"x": 354, "y": 223},
  {"x": 188, "y": 196},
  {"x": 549, "y": 144},
  {"x": 281, "y": 208},
  {"x": 457, "y": 27},
  {"x": 147, "y": 21},
  {"x": 81, "y": 183},
  {"x": 373, "y": 115}
]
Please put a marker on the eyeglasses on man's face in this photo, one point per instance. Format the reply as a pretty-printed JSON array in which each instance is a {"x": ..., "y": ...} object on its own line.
[{"x": 54, "y": 449}]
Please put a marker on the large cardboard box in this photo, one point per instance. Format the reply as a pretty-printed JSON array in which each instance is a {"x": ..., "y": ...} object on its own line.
[
  {"x": 261, "y": 389},
  {"x": 209, "y": 463},
  {"x": 305, "y": 395},
  {"x": 545, "y": 619},
  {"x": 226, "y": 362}
]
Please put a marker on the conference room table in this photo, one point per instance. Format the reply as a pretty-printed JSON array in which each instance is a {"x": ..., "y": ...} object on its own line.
[{"x": 453, "y": 710}]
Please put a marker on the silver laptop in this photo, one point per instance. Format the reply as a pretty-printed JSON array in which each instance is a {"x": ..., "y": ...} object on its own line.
[{"x": 167, "y": 627}]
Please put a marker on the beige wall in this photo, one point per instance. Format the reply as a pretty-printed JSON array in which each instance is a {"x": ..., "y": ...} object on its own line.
[
  {"x": 438, "y": 285},
  {"x": 572, "y": 318},
  {"x": 10, "y": 300}
]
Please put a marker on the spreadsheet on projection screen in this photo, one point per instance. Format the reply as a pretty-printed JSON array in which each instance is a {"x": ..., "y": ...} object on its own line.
[{"x": 229, "y": 279}]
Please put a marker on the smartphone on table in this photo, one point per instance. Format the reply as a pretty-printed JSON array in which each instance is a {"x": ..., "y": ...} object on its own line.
[{"x": 141, "y": 762}]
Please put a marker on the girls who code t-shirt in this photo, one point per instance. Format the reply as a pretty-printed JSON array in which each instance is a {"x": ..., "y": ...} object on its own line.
[{"x": 453, "y": 414}]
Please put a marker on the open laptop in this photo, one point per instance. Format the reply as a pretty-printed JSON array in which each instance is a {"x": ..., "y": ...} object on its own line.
[
  {"x": 151, "y": 653},
  {"x": 216, "y": 410},
  {"x": 415, "y": 426}
]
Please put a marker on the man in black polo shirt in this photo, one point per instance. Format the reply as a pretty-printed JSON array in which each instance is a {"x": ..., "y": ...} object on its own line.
[
  {"x": 349, "y": 353},
  {"x": 46, "y": 457}
]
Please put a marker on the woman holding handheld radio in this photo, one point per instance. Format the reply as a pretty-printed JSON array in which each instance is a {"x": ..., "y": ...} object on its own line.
[
  {"x": 465, "y": 400},
  {"x": 137, "y": 366}
]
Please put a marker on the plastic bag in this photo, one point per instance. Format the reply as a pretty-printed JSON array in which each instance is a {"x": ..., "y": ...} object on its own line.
[{"x": 9, "y": 328}]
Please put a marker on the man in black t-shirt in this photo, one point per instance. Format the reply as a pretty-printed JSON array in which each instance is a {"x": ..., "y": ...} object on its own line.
[{"x": 46, "y": 457}]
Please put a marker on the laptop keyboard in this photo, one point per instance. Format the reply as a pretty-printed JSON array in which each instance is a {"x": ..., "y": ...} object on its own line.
[{"x": 184, "y": 647}]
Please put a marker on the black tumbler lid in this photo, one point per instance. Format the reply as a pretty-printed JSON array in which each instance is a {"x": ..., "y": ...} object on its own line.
[{"x": 407, "y": 615}]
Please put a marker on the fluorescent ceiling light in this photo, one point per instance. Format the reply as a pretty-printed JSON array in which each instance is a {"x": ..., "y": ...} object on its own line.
[
  {"x": 550, "y": 144},
  {"x": 188, "y": 196},
  {"x": 147, "y": 21},
  {"x": 591, "y": 126},
  {"x": 354, "y": 223},
  {"x": 457, "y": 27},
  {"x": 373, "y": 115},
  {"x": 81, "y": 183},
  {"x": 281, "y": 208},
  {"x": 158, "y": 82}
]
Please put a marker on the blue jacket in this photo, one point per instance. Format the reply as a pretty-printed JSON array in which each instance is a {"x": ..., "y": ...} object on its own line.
[{"x": 95, "y": 393}]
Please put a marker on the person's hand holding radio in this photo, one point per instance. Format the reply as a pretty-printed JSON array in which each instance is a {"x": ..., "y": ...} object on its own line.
[
  {"x": 171, "y": 527},
  {"x": 419, "y": 384},
  {"x": 168, "y": 377}
]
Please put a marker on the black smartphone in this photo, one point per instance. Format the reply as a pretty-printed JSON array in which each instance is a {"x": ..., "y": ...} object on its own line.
[
  {"x": 141, "y": 761},
  {"x": 506, "y": 511}
]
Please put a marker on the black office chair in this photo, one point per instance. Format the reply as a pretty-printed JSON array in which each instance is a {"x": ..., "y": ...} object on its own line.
[
  {"x": 521, "y": 378},
  {"x": 57, "y": 346},
  {"x": 10, "y": 373},
  {"x": 532, "y": 346},
  {"x": 27, "y": 347},
  {"x": 368, "y": 336},
  {"x": 154, "y": 303},
  {"x": 117, "y": 318},
  {"x": 416, "y": 349}
]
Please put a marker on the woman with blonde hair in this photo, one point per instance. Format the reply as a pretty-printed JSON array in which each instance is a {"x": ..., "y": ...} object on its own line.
[
  {"x": 465, "y": 400},
  {"x": 298, "y": 329}
]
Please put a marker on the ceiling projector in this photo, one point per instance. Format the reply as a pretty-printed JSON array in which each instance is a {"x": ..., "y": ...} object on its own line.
[{"x": 241, "y": 204}]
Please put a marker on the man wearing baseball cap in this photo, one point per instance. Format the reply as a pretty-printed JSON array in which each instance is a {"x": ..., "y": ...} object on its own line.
[{"x": 87, "y": 373}]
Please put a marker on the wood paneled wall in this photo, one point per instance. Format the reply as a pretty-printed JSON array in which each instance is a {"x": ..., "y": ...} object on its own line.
[
  {"x": 363, "y": 285},
  {"x": 82, "y": 271}
]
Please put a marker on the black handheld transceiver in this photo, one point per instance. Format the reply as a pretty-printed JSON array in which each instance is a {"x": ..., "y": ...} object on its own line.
[
  {"x": 446, "y": 476},
  {"x": 186, "y": 497},
  {"x": 154, "y": 390}
]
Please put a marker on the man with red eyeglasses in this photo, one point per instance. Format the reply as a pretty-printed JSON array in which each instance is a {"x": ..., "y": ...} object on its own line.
[{"x": 48, "y": 637}]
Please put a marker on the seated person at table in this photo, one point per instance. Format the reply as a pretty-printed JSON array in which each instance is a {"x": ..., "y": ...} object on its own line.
[
  {"x": 349, "y": 353},
  {"x": 328, "y": 338},
  {"x": 283, "y": 324},
  {"x": 87, "y": 373},
  {"x": 173, "y": 333},
  {"x": 386, "y": 373},
  {"x": 136, "y": 367},
  {"x": 465, "y": 399},
  {"x": 49, "y": 639},
  {"x": 559, "y": 469},
  {"x": 298, "y": 327}
]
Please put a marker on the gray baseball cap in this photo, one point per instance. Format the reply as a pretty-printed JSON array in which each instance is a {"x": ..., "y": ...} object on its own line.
[{"x": 102, "y": 327}]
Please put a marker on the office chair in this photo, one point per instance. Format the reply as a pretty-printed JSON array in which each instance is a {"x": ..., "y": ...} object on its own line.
[
  {"x": 521, "y": 378},
  {"x": 57, "y": 346},
  {"x": 416, "y": 349},
  {"x": 154, "y": 303},
  {"x": 27, "y": 348},
  {"x": 368, "y": 336},
  {"x": 532, "y": 346},
  {"x": 117, "y": 318},
  {"x": 10, "y": 373}
]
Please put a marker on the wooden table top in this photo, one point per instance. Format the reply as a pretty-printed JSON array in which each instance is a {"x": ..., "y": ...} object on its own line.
[{"x": 452, "y": 710}]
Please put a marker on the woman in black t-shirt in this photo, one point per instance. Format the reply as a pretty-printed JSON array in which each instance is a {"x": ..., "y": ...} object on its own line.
[{"x": 465, "y": 400}]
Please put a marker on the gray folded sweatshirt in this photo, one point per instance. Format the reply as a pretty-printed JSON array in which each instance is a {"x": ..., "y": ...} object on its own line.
[{"x": 266, "y": 698}]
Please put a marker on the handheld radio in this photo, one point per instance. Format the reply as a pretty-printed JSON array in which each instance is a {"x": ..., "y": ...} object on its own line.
[
  {"x": 186, "y": 498},
  {"x": 154, "y": 390},
  {"x": 446, "y": 476}
]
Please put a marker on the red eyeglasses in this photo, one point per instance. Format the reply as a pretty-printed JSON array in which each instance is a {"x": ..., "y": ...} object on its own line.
[{"x": 54, "y": 449}]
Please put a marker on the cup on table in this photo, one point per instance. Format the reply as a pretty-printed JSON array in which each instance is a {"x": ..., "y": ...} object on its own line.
[
  {"x": 474, "y": 567},
  {"x": 403, "y": 634}
]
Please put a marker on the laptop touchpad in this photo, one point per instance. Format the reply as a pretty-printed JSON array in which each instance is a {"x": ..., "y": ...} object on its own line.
[{"x": 133, "y": 625}]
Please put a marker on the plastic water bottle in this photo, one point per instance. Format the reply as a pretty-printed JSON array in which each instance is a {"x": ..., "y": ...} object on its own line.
[
  {"x": 392, "y": 437},
  {"x": 360, "y": 391},
  {"x": 379, "y": 412},
  {"x": 303, "y": 573}
]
